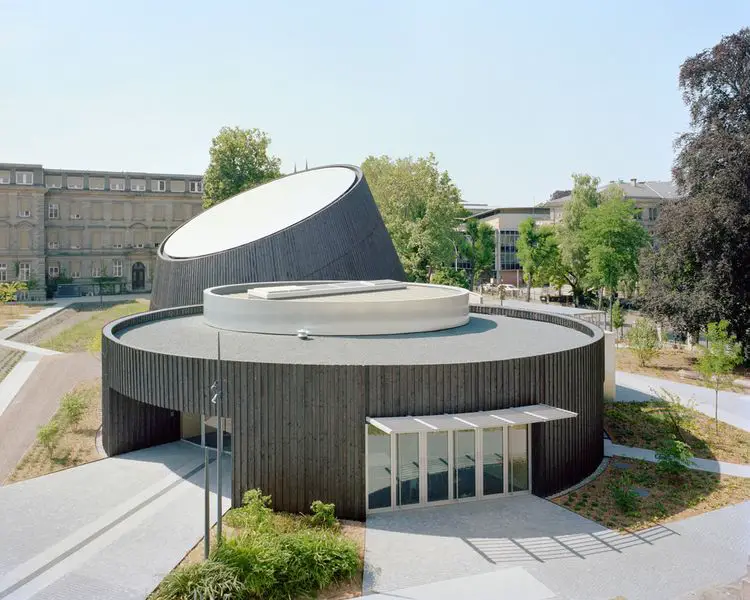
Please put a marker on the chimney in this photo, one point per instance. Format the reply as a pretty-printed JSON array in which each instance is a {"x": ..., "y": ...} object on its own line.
[{"x": 634, "y": 181}]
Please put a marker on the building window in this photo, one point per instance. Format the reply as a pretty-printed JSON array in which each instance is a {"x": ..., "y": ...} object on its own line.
[
  {"x": 75, "y": 274},
  {"x": 3, "y": 271},
  {"x": 96, "y": 183},
  {"x": 137, "y": 185},
  {"x": 53, "y": 211},
  {"x": 177, "y": 185},
  {"x": 24, "y": 178},
  {"x": 116, "y": 268},
  {"x": 53, "y": 245},
  {"x": 196, "y": 187},
  {"x": 96, "y": 271},
  {"x": 53, "y": 271},
  {"x": 117, "y": 185},
  {"x": 5, "y": 177},
  {"x": 53, "y": 181},
  {"x": 158, "y": 185},
  {"x": 74, "y": 182},
  {"x": 24, "y": 271},
  {"x": 653, "y": 213}
]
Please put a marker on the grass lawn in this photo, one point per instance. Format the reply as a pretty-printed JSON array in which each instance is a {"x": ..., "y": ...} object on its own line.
[
  {"x": 9, "y": 313},
  {"x": 669, "y": 499},
  {"x": 273, "y": 556},
  {"x": 75, "y": 446},
  {"x": 647, "y": 425},
  {"x": 86, "y": 335},
  {"x": 667, "y": 365}
]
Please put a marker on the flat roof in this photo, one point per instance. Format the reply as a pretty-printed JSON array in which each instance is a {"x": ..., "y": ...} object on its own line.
[
  {"x": 483, "y": 338},
  {"x": 405, "y": 291},
  {"x": 552, "y": 308}
]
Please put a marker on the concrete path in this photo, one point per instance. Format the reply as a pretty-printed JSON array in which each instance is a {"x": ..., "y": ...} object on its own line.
[
  {"x": 109, "y": 529},
  {"x": 699, "y": 464},
  {"x": 733, "y": 408},
  {"x": 37, "y": 400},
  {"x": 28, "y": 348},
  {"x": 470, "y": 549}
]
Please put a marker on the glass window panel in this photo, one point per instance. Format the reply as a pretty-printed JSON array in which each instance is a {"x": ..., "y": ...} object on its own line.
[
  {"x": 378, "y": 468},
  {"x": 492, "y": 461},
  {"x": 437, "y": 466},
  {"x": 464, "y": 461},
  {"x": 519, "y": 458},
  {"x": 407, "y": 445}
]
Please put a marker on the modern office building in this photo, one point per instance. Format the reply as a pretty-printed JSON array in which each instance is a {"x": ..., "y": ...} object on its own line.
[
  {"x": 350, "y": 388},
  {"x": 84, "y": 224}
]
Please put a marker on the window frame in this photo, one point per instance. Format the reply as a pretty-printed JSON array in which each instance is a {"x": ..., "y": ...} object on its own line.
[
  {"x": 195, "y": 187},
  {"x": 24, "y": 266},
  {"x": 3, "y": 272},
  {"x": 120, "y": 187},
  {"x": 24, "y": 173},
  {"x": 117, "y": 265},
  {"x": 51, "y": 268},
  {"x": 53, "y": 207}
]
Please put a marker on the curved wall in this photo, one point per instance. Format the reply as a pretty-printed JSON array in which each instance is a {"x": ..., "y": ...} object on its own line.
[
  {"x": 345, "y": 240},
  {"x": 298, "y": 431},
  {"x": 430, "y": 308}
]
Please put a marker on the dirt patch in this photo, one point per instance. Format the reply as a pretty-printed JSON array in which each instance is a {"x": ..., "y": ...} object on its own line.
[
  {"x": 10, "y": 313},
  {"x": 668, "y": 363},
  {"x": 76, "y": 444},
  {"x": 648, "y": 424},
  {"x": 666, "y": 498}
]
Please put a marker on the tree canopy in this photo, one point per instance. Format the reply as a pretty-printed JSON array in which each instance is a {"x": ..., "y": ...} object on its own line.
[
  {"x": 538, "y": 253},
  {"x": 421, "y": 208},
  {"x": 239, "y": 160},
  {"x": 478, "y": 247},
  {"x": 698, "y": 272}
]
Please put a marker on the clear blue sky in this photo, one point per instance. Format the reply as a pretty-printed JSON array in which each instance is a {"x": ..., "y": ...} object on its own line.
[{"x": 512, "y": 97}]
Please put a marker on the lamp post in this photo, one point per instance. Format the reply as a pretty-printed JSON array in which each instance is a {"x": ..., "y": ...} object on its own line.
[{"x": 455, "y": 249}]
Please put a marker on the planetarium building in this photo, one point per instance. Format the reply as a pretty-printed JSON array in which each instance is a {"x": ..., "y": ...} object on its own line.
[{"x": 340, "y": 381}]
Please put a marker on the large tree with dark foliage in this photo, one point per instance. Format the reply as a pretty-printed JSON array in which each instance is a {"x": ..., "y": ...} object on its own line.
[{"x": 699, "y": 270}]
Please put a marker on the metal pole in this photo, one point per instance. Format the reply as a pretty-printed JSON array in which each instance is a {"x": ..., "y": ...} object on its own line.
[
  {"x": 206, "y": 493},
  {"x": 219, "y": 440}
]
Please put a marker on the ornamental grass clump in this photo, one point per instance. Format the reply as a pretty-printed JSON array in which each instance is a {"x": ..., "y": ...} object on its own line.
[{"x": 273, "y": 556}]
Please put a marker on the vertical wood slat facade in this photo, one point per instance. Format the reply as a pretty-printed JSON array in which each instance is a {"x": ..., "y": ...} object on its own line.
[
  {"x": 345, "y": 240},
  {"x": 298, "y": 431}
]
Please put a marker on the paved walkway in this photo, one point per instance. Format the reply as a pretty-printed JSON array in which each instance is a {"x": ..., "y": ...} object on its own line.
[
  {"x": 699, "y": 464},
  {"x": 37, "y": 401},
  {"x": 734, "y": 408},
  {"x": 109, "y": 529},
  {"x": 475, "y": 550}
]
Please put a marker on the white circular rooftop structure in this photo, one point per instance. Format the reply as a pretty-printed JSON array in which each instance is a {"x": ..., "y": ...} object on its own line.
[
  {"x": 259, "y": 212},
  {"x": 336, "y": 308}
]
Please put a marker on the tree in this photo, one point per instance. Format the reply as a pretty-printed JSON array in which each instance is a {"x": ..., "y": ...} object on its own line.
[
  {"x": 574, "y": 258},
  {"x": 559, "y": 194},
  {"x": 613, "y": 239},
  {"x": 239, "y": 161},
  {"x": 720, "y": 356},
  {"x": 73, "y": 408},
  {"x": 643, "y": 341},
  {"x": 537, "y": 252},
  {"x": 478, "y": 247},
  {"x": 698, "y": 271},
  {"x": 450, "y": 276},
  {"x": 673, "y": 457},
  {"x": 421, "y": 208},
  {"x": 617, "y": 317},
  {"x": 48, "y": 436}
]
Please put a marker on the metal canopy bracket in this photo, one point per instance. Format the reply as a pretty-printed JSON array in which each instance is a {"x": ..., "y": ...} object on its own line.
[{"x": 521, "y": 415}]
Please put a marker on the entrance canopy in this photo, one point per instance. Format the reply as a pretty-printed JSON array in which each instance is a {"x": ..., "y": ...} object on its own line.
[{"x": 521, "y": 415}]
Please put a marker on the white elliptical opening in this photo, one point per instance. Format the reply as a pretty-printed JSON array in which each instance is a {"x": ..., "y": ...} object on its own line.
[{"x": 259, "y": 212}]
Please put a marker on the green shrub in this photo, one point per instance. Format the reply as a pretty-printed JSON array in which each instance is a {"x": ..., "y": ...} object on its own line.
[
  {"x": 643, "y": 341},
  {"x": 209, "y": 580},
  {"x": 72, "y": 407},
  {"x": 323, "y": 515},
  {"x": 257, "y": 558},
  {"x": 673, "y": 457},
  {"x": 48, "y": 436},
  {"x": 625, "y": 498}
]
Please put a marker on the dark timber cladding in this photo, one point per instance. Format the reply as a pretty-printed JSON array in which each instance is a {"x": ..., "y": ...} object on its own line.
[
  {"x": 345, "y": 240},
  {"x": 299, "y": 430}
]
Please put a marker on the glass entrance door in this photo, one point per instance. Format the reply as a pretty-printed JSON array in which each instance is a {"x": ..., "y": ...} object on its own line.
[
  {"x": 493, "y": 476},
  {"x": 437, "y": 466},
  {"x": 464, "y": 464}
]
